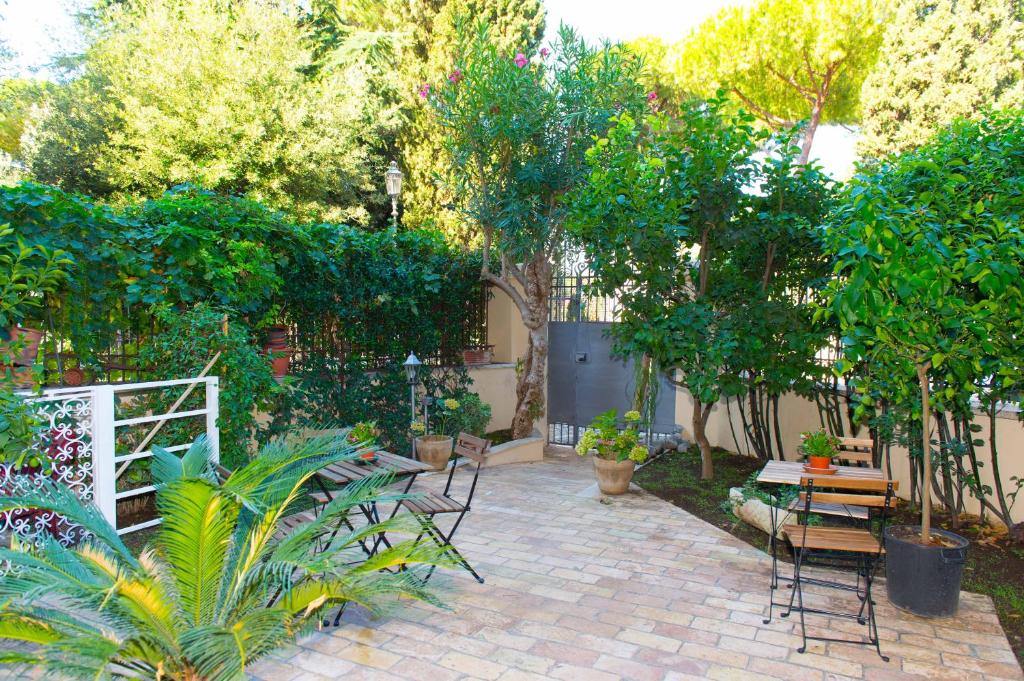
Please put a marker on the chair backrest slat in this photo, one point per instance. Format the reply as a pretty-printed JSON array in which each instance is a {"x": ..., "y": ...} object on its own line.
[
  {"x": 856, "y": 443},
  {"x": 472, "y": 447},
  {"x": 868, "y": 500},
  {"x": 822, "y": 482}
]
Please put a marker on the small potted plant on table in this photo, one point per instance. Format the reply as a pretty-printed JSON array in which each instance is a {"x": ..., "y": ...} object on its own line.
[
  {"x": 819, "y": 447},
  {"x": 616, "y": 452}
]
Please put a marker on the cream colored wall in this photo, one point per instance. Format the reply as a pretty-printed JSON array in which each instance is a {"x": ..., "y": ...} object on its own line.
[
  {"x": 496, "y": 382},
  {"x": 797, "y": 415}
]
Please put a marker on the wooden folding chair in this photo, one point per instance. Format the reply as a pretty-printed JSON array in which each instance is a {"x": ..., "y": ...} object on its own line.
[
  {"x": 850, "y": 546},
  {"x": 856, "y": 451},
  {"x": 427, "y": 505}
]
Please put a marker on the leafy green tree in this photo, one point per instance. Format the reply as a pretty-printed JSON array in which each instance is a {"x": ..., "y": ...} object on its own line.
[
  {"x": 650, "y": 217},
  {"x": 517, "y": 126},
  {"x": 929, "y": 252},
  {"x": 424, "y": 52},
  {"x": 942, "y": 60},
  {"x": 787, "y": 60},
  {"x": 219, "y": 94},
  {"x": 223, "y": 583},
  {"x": 703, "y": 268}
]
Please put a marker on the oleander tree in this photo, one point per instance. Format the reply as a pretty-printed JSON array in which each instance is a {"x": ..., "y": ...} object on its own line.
[
  {"x": 517, "y": 128},
  {"x": 929, "y": 251},
  {"x": 702, "y": 240}
]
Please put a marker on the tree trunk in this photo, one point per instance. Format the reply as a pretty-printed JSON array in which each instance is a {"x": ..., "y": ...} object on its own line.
[
  {"x": 533, "y": 309},
  {"x": 812, "y": 127},
  {"x": 926, "y": 457},
  {"x": 700, "y": 419}
]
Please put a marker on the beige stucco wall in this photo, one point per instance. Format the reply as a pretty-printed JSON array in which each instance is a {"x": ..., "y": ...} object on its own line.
[
  {"x": 797, "y": 415},
  {"x": 496, "y": 382}
]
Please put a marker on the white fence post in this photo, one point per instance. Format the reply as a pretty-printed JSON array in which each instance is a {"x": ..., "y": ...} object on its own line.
[
  {"x": 212, "y": 410},
  {"x": 103, "y": 444}
]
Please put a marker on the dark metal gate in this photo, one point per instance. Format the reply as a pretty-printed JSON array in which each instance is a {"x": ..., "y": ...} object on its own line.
[{"x": 583, "y": 377}]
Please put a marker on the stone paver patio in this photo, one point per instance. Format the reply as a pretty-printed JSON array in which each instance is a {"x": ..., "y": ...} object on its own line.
[{"x": 633, "y": 589}]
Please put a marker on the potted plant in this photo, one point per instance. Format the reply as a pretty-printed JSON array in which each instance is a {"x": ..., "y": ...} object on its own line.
[
  {"x": 478, "y": 355},
  {"x": 616, "y": 452},
  {"x": 277, "y": 349},
  {"x": 819, "y": 448},
  {"x": 434, "y": 445}
]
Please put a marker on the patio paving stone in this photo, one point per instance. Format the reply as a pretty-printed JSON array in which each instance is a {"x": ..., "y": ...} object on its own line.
[{"x": 631, "y": 588}]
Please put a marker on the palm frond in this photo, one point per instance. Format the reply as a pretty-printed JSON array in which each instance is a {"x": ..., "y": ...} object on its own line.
[
  {"x": 197, "y": 462},
  {"x": 61, "y": 500},
  {"x": 194, "y": 538},
  {"x": 223, "y": 652}
]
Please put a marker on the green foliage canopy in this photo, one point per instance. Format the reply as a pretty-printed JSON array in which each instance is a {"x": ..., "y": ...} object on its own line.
[
  {"x": 703, "y": 267},
  {"x": 929, "y": 251},
  {"x": 942, "y": 60},
  {"x": 785, "y": 60},
  {"x": 175, "y": 91}
]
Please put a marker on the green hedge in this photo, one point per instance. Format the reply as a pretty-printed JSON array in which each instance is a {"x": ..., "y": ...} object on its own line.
[{"x": 358, "y": 301}]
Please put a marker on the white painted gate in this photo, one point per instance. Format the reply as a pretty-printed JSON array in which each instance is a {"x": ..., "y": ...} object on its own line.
[{"x": 80, "y": 440}]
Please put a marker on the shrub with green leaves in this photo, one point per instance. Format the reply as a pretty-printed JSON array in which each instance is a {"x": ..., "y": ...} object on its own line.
[{"x": 187, "y": 342}]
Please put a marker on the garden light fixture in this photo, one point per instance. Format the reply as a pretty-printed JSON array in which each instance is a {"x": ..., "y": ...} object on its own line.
[{"x": 393, "y": 184}]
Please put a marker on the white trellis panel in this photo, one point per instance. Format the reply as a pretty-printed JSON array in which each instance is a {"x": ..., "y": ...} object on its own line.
[{"x": 80, "y": 439}]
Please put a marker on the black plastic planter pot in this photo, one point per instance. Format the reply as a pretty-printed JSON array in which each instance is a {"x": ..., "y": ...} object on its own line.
[{"x": 923, "y": 580}]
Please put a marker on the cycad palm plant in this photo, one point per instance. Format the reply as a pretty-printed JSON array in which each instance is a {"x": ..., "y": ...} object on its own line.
[{"x": 218, "y": 588}]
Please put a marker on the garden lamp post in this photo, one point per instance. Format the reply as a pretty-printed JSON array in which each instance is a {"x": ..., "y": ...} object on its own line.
[
  {"x": 412, "y": 367},
  {"x": 393, "y": 184}
]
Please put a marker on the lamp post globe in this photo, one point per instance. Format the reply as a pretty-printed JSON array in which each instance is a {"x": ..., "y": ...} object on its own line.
[{"x": 393, "y": 185}]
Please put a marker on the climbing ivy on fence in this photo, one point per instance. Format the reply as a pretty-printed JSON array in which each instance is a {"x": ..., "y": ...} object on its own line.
[{"x": 357, "y": 302}]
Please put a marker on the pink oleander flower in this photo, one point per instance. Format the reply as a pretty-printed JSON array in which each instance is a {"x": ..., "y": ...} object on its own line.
[
  {"x": 544, "y": 52},
  {"x": 455, "y": 76},
  {"x": 652, "y": 96},
  {"x": 425, "y": 90},
  {"x": 521, "y": 60}
]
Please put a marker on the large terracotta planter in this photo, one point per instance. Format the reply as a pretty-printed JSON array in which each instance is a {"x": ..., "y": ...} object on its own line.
[
  {"x": 434, "y": 450},
  {"x": 613, "y": 477},
  {"x": 31, "y": 338},
  {"x": 277, "y": 348}
]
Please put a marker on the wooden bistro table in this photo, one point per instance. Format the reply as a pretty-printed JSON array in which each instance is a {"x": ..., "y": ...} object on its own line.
[
  {"x": 782, "y": 473},
  {"x": 346, "y": 472}
]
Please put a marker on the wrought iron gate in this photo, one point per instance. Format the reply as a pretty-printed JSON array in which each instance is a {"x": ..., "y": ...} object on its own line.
[{"x": 583, "y": 377}]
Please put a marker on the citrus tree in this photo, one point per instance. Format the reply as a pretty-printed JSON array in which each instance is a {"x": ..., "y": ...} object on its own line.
[
  {"x": 929, "y": 252},
  {"x": 702, "y": 241},
  {"x": 518, "y": 125}
]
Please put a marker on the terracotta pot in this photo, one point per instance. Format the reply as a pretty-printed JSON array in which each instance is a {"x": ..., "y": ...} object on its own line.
[
  {"x": 23, "y": 376},
  {"x": 613, "y": 477},
  {"x": 434, "y": 450},
  {"x": 31, "y": 337},
  {"x": 277, "y": 338},
  {"x": 819, "y": 461},
  {"x": 477, "y": 356},
  {"x": 73, "y": 377},
  {"x": 280, "y": 362}
]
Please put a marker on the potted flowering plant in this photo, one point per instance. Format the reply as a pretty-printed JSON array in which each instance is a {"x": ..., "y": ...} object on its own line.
[
  {"x": 434, "y": 446},
  {"x": 616, "y": 452},
  {"x": 365, "y": 433},
  {"x": 819, "y": 448}
]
